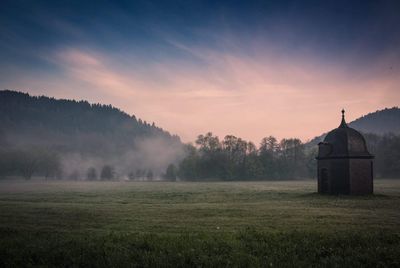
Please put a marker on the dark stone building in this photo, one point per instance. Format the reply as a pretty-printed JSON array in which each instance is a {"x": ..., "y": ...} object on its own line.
[{"x": 344, "y": 164}]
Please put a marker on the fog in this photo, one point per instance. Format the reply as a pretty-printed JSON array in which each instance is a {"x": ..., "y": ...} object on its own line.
[
  {"x": 149, "y": 154},
  {"x": 143, "y": 158}
]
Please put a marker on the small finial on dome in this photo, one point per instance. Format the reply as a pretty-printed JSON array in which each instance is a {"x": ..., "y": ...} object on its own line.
[{"x": 343, "y": 123}]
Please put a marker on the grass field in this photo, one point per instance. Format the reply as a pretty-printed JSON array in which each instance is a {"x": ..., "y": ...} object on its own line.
[{"x": 230, "y": 224}]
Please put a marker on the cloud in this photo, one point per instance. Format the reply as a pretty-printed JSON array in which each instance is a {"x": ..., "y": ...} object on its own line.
[
  {"x": 94, "y": 70},
  {"x": 227, "y": 91}
]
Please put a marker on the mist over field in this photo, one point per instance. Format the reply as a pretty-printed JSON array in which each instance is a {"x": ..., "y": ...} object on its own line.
[
  {"x": 148, "y": 154},
  {"x": 201, "y": 133}
]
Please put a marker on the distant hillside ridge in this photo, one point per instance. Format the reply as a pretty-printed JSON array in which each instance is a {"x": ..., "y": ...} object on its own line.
[
  {"x": 379, "y": 123},
  {"x": 97, "y": 133},
  {"x": 36, "y": 114}
]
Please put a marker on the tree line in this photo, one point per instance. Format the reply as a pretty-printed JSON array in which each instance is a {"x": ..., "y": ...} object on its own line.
[
  {"x": 234, "y": 158},
  {"x": 48, "y": 164},
  {"x": 231, "y": 158}
]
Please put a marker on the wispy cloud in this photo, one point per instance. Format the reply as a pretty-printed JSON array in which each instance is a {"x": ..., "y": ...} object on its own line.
[{"x": 230, "y": 92}]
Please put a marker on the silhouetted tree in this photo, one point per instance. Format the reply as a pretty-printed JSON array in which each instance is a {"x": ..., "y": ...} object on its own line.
[
  {"x": 49, "y": 164},
  {"x": 170, "y": 174},
  {"x": 107, "y": 172},
  {"x": 188, "y": 167},
  {"x": 268, "y": 153},
  {"x": 28, "y": 163},
  {"x": 253, "y": 166}
]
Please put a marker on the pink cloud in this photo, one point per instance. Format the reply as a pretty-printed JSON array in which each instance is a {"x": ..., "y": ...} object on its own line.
[{"x": 229, "y": 93}]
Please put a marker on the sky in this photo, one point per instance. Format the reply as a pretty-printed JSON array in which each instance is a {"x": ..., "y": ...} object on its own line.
[{"x": 246, "y": 68}]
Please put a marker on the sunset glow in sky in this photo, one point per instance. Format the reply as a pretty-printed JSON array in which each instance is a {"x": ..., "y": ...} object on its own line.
[{"x": 247, "y": 68}]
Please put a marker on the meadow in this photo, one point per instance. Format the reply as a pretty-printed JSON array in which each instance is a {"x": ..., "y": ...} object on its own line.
[{"x": 196, "y": 224}]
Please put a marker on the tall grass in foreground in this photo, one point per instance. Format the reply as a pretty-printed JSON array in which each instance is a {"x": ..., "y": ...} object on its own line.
[{"x": 248, "y": 248}]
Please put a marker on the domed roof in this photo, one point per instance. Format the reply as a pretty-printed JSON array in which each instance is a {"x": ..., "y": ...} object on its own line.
[{"x": 344, "y": 142}]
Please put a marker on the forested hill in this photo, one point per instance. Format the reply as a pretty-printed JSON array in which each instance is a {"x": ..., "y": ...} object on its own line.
[
  {"x": 379, "y": 122},
  {"x": 95, "y": 132},
  {"x": 70, "y": 125}
]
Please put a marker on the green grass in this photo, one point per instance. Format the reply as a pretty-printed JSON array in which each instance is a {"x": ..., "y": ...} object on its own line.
[{"x": 247, "y": 224}]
